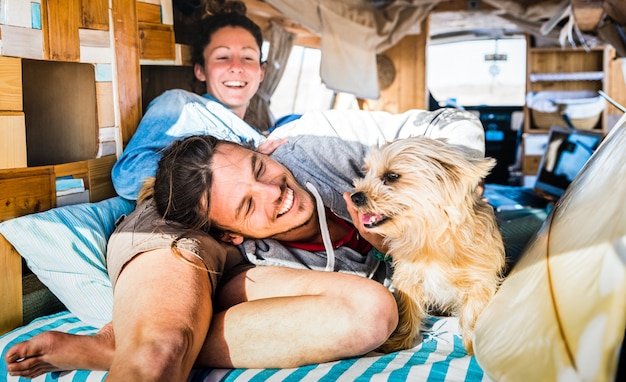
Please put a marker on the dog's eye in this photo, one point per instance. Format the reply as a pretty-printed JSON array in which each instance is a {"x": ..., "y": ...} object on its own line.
[{"x": 390, "y": 177}]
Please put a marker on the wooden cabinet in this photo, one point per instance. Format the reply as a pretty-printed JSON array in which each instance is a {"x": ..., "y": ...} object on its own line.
[
  {"x": 70, "y": 86},
  {"x": 561, "y": 71}
]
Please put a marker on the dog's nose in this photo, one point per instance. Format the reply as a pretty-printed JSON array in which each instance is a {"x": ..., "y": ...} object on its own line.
[{"x": 358, "y": 198}]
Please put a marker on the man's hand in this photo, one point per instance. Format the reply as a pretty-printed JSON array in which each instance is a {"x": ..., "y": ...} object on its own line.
[
  {"x": 373, "y": 238},
  {"x": 269, "y": 145}
]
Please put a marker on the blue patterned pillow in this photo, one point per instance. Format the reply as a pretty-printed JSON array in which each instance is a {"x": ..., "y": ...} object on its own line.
[{"x": 66, "y": 248}]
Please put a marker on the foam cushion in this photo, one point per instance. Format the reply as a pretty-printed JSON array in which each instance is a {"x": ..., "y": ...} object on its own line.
[
  {"x": 66, "y": 248},
  {"x": 561, "y": 312}
]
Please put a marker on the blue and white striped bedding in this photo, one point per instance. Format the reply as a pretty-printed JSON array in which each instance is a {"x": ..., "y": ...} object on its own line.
[{"x": 440, "y": 357}]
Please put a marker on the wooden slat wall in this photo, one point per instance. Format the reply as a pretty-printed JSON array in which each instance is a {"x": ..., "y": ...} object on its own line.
[
  {"x": 148, "y": 13},
  {"x": 12, "y": 140},
  {"x": 63, "y": 20},
  {"x": 156, "y": 41},
  {"x": 26, "y": 191},
  {"x": 12, "y": 123},
  {"x": 10, "y": 84},
  {"x": 10, "y": 287},
  {"x": 616, "y": 86},
  {"x": 95, "y": 14},
  {"x": 22, "y": 192},
  {"x": 128, "y": 71},
  {"x": 100, "y": 183},
  {"x": 408, "y": 90}
]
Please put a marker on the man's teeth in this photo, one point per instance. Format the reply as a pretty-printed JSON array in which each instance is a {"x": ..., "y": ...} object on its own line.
[
  {"x": 235, "y": 83},
  {"x": 287, "y": 202}
]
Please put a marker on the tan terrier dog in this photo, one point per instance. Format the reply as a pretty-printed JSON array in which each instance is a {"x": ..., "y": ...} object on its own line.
[{"x": 421, "y": 195}]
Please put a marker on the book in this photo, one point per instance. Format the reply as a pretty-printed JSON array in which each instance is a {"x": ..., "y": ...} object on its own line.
[{"x": 69, "y": 185}]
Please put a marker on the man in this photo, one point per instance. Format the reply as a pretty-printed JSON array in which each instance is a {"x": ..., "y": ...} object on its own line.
[{"x": 262, "y": 316}]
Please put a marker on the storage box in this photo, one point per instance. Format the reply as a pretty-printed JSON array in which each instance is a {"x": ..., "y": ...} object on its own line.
[{"x": 584, "y": 108}]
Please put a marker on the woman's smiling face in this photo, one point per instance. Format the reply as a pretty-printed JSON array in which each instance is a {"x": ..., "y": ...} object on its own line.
[{"x": 232, "y": 68}]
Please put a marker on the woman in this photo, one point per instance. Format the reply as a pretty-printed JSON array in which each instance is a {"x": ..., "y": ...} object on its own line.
[
  {"x": 206, "y": 306},
  {"x": 226, "y": 57}
]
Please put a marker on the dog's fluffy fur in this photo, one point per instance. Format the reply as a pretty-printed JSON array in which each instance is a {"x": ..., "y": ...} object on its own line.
[{"x": 421, "y": 195}]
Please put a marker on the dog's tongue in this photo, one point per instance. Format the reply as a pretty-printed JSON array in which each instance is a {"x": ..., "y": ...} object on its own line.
[{"x": 371, "y": 218}]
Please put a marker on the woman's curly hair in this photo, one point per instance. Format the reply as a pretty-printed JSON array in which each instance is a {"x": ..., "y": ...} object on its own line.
[{"x": 220, "y": 14}]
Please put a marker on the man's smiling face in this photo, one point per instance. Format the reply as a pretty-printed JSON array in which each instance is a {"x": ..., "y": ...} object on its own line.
[{"x": 254, "y": 196}]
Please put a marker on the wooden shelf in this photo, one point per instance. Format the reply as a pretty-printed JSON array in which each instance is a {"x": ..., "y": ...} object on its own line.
[{"x": 561, "y": 70}]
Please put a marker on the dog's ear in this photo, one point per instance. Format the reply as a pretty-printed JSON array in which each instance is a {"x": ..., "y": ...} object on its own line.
[{"x": 483, "y": 166}]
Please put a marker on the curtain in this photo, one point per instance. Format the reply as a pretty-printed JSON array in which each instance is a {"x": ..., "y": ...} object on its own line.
[
  {"x": 352, "y": 32},
  {"x": 258, "y": 113}
]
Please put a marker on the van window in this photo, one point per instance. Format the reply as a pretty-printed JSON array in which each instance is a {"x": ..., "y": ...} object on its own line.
[
  {"x": 473, "y": 73},
  {"x": 301, "y": 88}
]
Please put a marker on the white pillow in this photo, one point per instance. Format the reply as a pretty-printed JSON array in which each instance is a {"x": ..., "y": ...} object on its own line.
[{"x": 66, "y": 248}]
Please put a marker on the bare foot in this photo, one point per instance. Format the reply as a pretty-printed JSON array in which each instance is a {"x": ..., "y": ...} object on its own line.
[{"x": 57, "y": 351}]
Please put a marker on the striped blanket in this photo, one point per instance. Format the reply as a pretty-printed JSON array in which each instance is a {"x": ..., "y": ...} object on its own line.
[{"x": 439, "y": 357}]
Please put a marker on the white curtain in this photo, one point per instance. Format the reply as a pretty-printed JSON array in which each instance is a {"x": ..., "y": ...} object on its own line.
[
  {"x": 352, "y": 32},
  {"x": 258, "y": 113}
]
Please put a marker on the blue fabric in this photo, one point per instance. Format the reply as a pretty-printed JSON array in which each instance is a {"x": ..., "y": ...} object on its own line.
[
  {"x": 439, "y": 357},
  {"x": 284, "y": 120},
  {"x": 173, "y": 115}
]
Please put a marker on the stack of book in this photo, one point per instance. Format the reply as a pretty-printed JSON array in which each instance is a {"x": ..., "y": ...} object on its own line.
[{"x": 71, "y": 191}]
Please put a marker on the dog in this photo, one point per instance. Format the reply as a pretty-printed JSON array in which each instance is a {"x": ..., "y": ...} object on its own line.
[{"x": 421, "y": 195}]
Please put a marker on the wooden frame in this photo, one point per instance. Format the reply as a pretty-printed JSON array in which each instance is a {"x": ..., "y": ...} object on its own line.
[{"x": 30, "y": 190}]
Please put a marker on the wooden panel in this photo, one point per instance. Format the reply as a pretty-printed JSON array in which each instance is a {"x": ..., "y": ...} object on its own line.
[
  {"x": 156, "y": 42},
  {"x": 408, "y": 90},
  {"x": 10, "y": 287},
  {"x": 127, "y": 57},
  {"x": 183, "y": 55},
  {"x": 75, "y": 170},
  {"x": 104, "y": 99},
  {"x": 149, "y": 13},
  {"x": 17, "y": 13},
  {"x": 95, "y": 14},
  {"x": 550, "y": 60},
  {"x": 22, "y": 42},
  {"x": 155, "y": 79},
  {"x": 12, "y": 140},
  {"x": 10, "y": 84},
  {"x": 100, "y": 184},
  {"x": 94, "y": 38},
  {"x": 26, "y": 191},
  {"x": 60, "y": 109},
  {"x": 616, "y": 87},
  {"x": 63, "y": 18}
]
